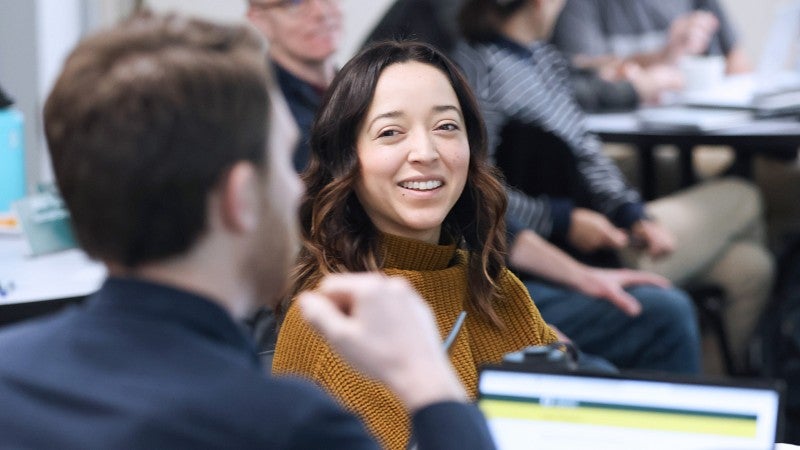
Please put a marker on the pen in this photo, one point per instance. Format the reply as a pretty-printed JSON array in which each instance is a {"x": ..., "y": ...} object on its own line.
[
  {"x": 451, "y": 337},
  {"x": 448, "y": 342}
]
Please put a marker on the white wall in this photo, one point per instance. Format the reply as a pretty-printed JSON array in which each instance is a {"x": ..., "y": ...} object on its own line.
[
  {"x": 221, "y": 10},
  {"x": 360, "y": 17},
  {"x": 59, "y": 29},
  {"x": 752, "y": 19},
  {"x": 35, "y": 37}
]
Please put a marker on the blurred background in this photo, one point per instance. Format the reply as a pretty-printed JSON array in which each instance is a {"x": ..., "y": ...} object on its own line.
[{"x": 35, "y": 35}]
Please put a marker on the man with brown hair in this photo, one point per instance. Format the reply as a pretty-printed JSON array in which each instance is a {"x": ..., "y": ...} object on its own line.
[{"x": 157, "y": 131}]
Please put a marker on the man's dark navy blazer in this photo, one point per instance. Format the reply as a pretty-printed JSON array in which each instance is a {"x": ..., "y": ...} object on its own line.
[{"x": 142, "y": 365}]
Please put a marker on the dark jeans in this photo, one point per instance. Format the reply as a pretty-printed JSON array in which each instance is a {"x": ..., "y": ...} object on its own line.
[{"x": 664, "y": 337}]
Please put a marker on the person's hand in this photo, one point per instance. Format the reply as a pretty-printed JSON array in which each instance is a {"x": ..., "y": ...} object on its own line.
[
  {"x": 607, "y": 67},
  {"x": 691, "y": 34},
  {"x": 590, "y": 231},
  {"x": 653, "y": 81},
  {"x": 610, "y": 284},
  {"x": 382, "y": 327},
  {"x": 655, "y": 238},
  {"x": 559, "y": 334}
]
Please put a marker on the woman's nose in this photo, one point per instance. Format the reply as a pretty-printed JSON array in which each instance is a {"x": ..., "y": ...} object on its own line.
[{"x": 423, "y": 148}]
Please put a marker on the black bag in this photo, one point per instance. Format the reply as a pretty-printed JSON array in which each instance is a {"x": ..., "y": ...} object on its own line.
[
  {"x": 777, "y": 340},
  {"x": 5, "y": 100}
]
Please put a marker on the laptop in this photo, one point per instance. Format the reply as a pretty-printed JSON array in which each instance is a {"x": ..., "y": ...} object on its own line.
[
  {"x": 777, "y": 73},
  {"x": 533, "y": 407}
]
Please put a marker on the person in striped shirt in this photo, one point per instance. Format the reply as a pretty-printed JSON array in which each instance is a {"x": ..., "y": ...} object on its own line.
[{"x": 570, "y": 193}]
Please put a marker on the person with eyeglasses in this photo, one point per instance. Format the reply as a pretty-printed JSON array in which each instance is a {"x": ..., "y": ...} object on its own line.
[{"x": 303, "y": 35}]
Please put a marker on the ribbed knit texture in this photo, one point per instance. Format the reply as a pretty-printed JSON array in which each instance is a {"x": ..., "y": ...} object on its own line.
[{"x": 439, "y": 273}]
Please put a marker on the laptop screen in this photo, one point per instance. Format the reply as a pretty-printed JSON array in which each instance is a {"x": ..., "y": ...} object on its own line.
[{"x": 569, "y": 411}]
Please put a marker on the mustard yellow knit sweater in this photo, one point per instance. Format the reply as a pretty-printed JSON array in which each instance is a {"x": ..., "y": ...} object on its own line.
[{"x": 439, "y": 273}]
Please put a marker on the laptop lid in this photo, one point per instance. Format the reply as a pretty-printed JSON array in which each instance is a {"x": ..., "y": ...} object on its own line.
[{"x": 529, "y": 407}]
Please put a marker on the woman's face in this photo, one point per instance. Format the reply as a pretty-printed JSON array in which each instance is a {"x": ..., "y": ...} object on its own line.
[{"x": 413, "y": 152}]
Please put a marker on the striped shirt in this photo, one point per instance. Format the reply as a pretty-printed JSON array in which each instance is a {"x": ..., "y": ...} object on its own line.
[
  {"x": 627, "y": 27},
  {"x": 531, "y": 85}
]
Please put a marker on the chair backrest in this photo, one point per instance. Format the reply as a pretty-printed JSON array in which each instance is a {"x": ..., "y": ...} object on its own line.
[{"x": 264, "y": 328}]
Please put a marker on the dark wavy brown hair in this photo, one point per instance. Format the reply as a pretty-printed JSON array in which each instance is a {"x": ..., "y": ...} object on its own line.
[{"x": 338, "y": 236}]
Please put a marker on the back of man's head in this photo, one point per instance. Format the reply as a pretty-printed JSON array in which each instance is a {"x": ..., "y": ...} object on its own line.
[{"x": 142, "y": 123}]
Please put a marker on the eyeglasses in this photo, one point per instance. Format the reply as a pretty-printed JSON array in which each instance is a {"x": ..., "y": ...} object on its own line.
[{"x": 295, "y": 7}]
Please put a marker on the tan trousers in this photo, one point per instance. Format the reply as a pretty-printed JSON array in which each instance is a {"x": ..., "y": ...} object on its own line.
[{"x": 719, "y": 230}]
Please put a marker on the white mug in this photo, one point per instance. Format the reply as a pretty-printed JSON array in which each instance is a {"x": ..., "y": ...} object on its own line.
[{"x": 702, "y": 72}]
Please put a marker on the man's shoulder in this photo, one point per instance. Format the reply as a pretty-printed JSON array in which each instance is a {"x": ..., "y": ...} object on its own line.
[
  {"x": 228, "y": 399},
  {"x": 20, "y": 339},
  {"x": 268, "y": 413},
  {"x": 293, "y": 412}
]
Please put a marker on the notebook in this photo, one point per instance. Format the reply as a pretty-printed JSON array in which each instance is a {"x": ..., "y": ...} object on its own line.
[
  {"x": 777, "y": 73},
  {"x": 532, "y": 408}
]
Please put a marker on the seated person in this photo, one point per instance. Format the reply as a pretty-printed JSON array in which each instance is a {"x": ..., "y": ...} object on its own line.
[
  {"x": 710, "y": 234},
  {"x": 646, "y": 32},
  {"x": 303, "y": 38},
  {"x": 398, "y": 182},
  {"x": 157, "y": 132},
  {"x": 623, "y": 30},
  {"x": 640, "y": 44},
  {"x": 434, "y": 22}
]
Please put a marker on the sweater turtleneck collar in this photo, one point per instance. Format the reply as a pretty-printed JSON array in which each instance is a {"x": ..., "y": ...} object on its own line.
[{"x": 410, "y": 254}]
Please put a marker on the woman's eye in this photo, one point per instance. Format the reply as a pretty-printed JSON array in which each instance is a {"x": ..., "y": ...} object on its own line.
[
  {"x": 388, "y": 133},
  {"x": 448, "y": 127}
]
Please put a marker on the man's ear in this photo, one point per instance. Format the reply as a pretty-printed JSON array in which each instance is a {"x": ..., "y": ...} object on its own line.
[{"x": 240, "y": 202}]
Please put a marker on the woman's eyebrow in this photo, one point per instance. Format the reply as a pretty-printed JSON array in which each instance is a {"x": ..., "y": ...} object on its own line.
[
  {"x": 442, "y": 108},
  {"x": 389, "y": 115}
]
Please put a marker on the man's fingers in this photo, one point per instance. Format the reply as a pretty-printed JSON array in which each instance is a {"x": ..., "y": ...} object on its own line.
[
  {"x": 342, "y": 289},
  {"x": 346, "y": 282},
  {"x": 324, "y": 314}
]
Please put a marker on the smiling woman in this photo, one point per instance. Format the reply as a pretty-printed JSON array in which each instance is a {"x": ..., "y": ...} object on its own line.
[
  {"x": 398, "y": 182},
  {"x": 413, "y": 152}
]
